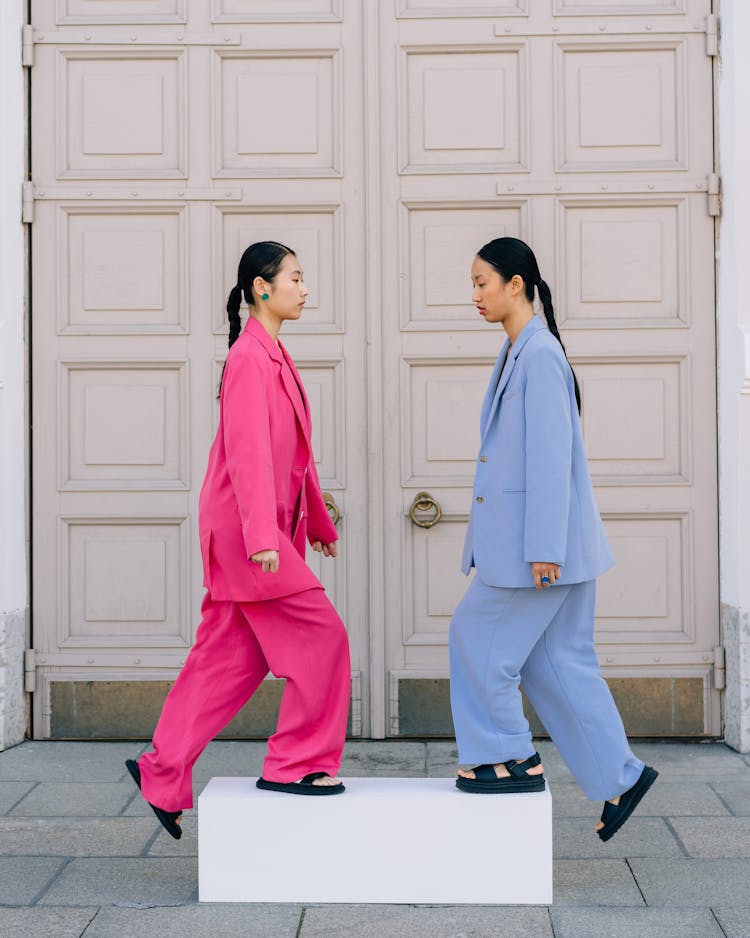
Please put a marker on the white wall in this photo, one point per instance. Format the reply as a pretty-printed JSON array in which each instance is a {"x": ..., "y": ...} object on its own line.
[
  {"x": 734, "y": 365},
  {"x": 13, "y": 585}
]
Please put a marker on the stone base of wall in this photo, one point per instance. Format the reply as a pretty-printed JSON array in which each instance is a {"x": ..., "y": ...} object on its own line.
[
  {"x": 12, "y": 698},
  {"x": 735, "y": 631}
]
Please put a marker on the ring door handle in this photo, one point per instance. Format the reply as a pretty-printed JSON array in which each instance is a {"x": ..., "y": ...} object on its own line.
[
  {"x": 423, "y": 502},
  {"x": 333, "y": 508}
]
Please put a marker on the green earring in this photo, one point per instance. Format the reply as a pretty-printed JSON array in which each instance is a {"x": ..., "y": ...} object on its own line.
[{"x": 264, "y": 296}]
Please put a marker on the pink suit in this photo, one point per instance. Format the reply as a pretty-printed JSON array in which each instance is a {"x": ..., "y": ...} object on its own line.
[{"x": 261, "y": 492}]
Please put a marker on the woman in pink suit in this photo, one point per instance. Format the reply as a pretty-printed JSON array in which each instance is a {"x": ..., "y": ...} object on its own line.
[{"x": 264, "y": 608}]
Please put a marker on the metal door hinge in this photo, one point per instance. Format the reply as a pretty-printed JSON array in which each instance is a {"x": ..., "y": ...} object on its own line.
[
  {"x": 27, "y": 46},
  {"x": 27, "y": 203},
  {"x": 714, "y": 195},
  {"x": 719, "y": 668},
  {"x": 712, "y": 34},
  {"x": 29, "y": 671}
]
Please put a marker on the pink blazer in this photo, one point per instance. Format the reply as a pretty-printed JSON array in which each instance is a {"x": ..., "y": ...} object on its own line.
[{"x": 261, "y": 490}]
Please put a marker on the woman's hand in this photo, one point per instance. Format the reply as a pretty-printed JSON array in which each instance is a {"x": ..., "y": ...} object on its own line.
[
  {"x": 547, "y": 571},
  {"x": 269, "y": 559},
  {"x": 329, "y": 550}
]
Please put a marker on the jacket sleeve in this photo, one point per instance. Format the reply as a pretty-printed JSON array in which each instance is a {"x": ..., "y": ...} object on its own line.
[
  {"x": 549, "y": 456},
  {"x": 320, "y": 527},
  {"x": 247, "y": 444}
]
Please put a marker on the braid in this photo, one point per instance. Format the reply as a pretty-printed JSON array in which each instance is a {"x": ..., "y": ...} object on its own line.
[
  {"x": 235, "y": 323},
  {"x": 233, "y": 311},
  {"x": 545, "y": 297}
]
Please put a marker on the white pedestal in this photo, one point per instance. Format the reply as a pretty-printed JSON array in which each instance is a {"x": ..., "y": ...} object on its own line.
[{"x": 404, "y": 840}]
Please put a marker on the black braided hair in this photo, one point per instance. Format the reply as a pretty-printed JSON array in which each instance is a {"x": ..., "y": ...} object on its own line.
[{"x": 511, "y": 256}]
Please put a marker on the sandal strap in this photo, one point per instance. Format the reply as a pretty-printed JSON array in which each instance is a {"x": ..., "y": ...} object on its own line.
[
  {"x": 519, "y": 769},
  {"x": 485, "y": 773},
  {"x": 309, "y": 779}
]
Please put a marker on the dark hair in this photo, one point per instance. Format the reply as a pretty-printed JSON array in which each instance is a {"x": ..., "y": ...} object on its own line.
[
  {"x": 262, "y": 259},
  {"x": 511, "y": 256}
]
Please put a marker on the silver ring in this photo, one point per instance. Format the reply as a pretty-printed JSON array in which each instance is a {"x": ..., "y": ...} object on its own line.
[{"x": 545, "y": 579}]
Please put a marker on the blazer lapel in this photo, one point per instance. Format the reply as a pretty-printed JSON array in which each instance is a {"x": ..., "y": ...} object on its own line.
[
  {"x": 531, "y": 327},
  {"x": 492, "y": 388},
  {"x": 289, "y": 375},
  {"x": 296, "y": 391}
]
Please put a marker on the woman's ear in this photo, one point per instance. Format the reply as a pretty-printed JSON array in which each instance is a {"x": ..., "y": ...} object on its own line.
[
  {"x": 259, "y": 285},
  {"x": 517, "y": 284}
]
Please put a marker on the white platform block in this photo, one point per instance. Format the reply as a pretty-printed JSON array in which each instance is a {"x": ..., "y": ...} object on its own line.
[{"x": 400, "y": 840}]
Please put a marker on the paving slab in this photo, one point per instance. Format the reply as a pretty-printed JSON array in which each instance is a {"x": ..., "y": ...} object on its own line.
[
  {"x": 735, "y": 922},
  {"x": 23, "y": 878},
  {"x": 735, "y": 794},
  {"x": 678, "y": 760},
  {"x": 441, "y": 758},
  {"x": 45, "y": 923},
  {"x": 222, "y": 920},
  {"x": 82, "y": 837},
  {"x": 187, "y": 846},
  {"x": 136, "y": 882},
  {"x": 575, "y": 838},
  {"x": 67, "y": 761},
  {"x": 230, "y": 757},
  {"x": 689, "y": 882},
  {"x": 74, "y": 799},
  {"x": 368, "y": 921},
  {"x": 384, "y": 759},
  {"x": 595, "y": 883},
  {"x": 627, "y": 922},
  {"x": 139, "y": 807},
  {"x": 554, "y": 767},
  {"x": 12, "y": 792},
  {"x": 714, "y": 837},
  {"x": 688, "y": 797}
]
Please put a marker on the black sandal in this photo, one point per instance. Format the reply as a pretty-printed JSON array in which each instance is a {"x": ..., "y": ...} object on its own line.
[
  {"x": 519, "y": 780},
  {"x": 615, "y": 815},
  {"x": 304, "y": 786},
  {"x": 168, "y": 818}
]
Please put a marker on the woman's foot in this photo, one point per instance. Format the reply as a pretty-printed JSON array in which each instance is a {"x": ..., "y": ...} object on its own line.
[
  {"x": 315, "y": 783},
  {"x": 324, "y": 781},
  {"x": 170, "y": 820},
  {"x": 512, "y": 776},
  {"x": 614, "y": 801},
  {"x": 618, "y": 810},
  {"x": 502, "y": 772}
]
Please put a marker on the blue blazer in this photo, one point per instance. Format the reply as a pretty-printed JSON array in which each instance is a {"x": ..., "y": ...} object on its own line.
[{"x": 533, "y": 498}]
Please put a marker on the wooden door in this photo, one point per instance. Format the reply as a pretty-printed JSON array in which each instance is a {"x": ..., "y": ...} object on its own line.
[
  {"x": 584, "y": 128},
  {"x": 167, "y": 136}
]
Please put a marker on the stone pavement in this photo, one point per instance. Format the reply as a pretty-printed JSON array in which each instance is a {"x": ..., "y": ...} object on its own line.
[{"x": 82, "y": 854}]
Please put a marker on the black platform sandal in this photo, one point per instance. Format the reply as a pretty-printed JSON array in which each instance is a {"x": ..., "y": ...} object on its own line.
[
  {"x": 168, "y": 818},
  {"x": 304, "y": 786},
  {"x": 615, "y": 815},
  {"x": 518, "y": 780}
]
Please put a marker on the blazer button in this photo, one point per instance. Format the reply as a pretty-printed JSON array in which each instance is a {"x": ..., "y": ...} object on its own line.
[
  {"x": 482, "y": 459},
  {"x": 480, "y": 499}
]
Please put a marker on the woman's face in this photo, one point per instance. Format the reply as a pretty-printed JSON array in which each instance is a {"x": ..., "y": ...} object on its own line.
[
  {"x": 492, "y": 295},
  {"x": 287, "y": 293}
]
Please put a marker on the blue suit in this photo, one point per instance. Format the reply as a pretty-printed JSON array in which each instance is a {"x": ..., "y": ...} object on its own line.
[
  {"x": 533, "y": 502},
  {"x": 533, "y": 499}
]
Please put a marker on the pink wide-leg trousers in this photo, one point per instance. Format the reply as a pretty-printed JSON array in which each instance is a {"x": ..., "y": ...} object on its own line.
[{"x": 298, "y": 637}]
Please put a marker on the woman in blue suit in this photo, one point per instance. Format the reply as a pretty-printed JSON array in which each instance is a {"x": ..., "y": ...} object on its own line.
[{"x": 537, "y": 542}]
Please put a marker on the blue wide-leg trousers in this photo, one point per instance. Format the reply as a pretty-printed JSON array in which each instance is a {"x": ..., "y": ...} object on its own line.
[{"x": 544, "y": 641}]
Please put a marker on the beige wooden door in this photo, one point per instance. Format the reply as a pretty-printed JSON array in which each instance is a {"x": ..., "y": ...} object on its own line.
[
  {"x": 167, "y": 136},
  {"x": 585, "y": 128},
  {"x": 385, "y": 140}
]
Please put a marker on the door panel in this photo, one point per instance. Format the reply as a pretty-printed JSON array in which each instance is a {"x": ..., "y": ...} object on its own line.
[
  {"x": 588, "y": 136},
  {"x": 168, "y": 137}
]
